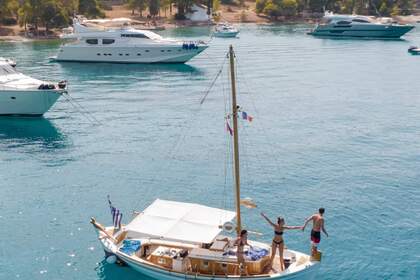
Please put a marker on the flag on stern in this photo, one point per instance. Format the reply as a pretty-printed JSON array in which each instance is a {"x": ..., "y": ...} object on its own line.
[{"x": 116, "y": 214}]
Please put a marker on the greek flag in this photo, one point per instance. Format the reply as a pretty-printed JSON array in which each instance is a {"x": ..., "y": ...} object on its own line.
[{"x": 116, "y": 215}]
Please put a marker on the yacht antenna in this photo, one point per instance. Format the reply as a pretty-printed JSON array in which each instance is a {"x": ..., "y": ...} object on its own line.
[{"x": 235, "y": 139}]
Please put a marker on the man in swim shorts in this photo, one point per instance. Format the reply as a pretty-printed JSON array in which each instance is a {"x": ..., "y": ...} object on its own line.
[{"x": 317, "y": 225}]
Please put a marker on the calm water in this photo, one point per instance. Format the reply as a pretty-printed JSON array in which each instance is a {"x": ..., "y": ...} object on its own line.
[{"x": 337, "y": 124}]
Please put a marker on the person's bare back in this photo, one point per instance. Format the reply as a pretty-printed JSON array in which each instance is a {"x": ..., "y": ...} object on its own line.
[{"x": 318, "y": 222}]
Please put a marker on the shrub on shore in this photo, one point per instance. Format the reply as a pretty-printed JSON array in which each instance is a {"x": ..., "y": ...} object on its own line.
[{"x": 289, "y": 8}]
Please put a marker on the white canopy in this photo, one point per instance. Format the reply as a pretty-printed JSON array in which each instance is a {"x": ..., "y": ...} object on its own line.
[{"x": 179, "y": 221}]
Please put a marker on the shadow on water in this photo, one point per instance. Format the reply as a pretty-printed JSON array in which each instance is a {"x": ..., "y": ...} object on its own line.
[
  {"x": 120, "y": 69},
  {"x": 18, "y": 131},
  {"x": 106, "y": 271}
]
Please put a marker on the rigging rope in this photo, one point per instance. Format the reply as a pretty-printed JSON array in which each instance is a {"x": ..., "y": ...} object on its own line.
[
  {"x": 213, "y": 82},
  {"x": 76, "y": 105}
]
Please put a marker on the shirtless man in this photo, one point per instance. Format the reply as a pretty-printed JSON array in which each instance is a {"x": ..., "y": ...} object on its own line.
[{"x": 317, "y": 226}]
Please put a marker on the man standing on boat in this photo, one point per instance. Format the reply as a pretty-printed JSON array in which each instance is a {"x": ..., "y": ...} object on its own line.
[{"x": 317, "y": 225}]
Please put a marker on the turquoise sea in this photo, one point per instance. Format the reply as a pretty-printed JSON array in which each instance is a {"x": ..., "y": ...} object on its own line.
[{"x": 336, "y": 124}]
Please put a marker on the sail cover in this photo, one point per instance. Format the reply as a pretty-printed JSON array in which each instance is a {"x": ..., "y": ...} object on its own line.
[{"x": 179, "y": 221}]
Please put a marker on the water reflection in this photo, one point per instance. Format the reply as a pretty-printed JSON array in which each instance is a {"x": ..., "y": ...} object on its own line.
[
  {"x": 111, "y": 69},
  {"x": 106, "y": 271},
  {"x": 17, "y": 131}
]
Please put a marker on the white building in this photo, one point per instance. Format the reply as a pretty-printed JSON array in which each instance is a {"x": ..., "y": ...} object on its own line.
[{"x": 198, "y": 13}]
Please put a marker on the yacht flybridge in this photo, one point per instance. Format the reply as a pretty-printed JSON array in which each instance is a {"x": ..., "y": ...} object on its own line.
[
  {"x": 356, "y": 26},
  {"x": 23, "y": 95},
  {"x": 124, "y": 44},
  {"x": 175, "y": 240}
]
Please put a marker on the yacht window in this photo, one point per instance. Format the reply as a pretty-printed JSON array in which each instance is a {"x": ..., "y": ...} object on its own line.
[
  {"x": 98, "y": 54},
  {"x": 92, "y": 41},
  {"x": 139, "y": 54},
  {"x": 107, "y": 41},
  {"x": 162, "y": 50},
  {"x": 360, "y": 20},
  {"x": 7, "y": 69},
  {"x": 344, "y": 22},
  {"x": 120, "y": 54},
  {"x": 147, "y": 51},
  {"x": 127, "y": 54},
  {"x": 136, "y": 35}
]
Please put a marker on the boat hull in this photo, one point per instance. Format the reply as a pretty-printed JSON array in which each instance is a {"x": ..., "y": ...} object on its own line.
[
  {"x": 362, "y": 31},
  {"x": 161, "y": 274},
  {"x": 27, "y": 102},
  {"x": 152, "y": 54},
  {"x": 226, "y": 34}
]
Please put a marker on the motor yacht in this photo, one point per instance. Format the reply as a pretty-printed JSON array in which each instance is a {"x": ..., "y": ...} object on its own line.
[
  {"x": 225, "y": 30},
  {"x": 124, "y": 44},
  {"x": 357, "y": 26},
  {"x": 23, "y": 95}
]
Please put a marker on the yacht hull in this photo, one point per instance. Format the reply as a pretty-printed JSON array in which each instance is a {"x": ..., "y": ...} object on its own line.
[
  {"x": 27, "y": 102},
  {"x": 362, "y": 31},
  {"x": 164, "y": 54},
  {"x": 161, "y": 274},
  {"x": 306, "y": 273},
  {"x": 226, "y": 34}
]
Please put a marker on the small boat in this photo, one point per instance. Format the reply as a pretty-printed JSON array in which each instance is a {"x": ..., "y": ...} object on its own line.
[
  {"x": 92, "y": 42},
  {"x": 225, "y": 30},
  {"x": 357, "y": 26},
  {"x": 171, "y": 240},
  {"x": 23, "y": 95},
  {"x": 414, "y": 50}
]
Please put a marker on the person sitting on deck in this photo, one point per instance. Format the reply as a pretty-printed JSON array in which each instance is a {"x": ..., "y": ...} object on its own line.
[
  {"x": 278, "y": 241},
  {"x": 240, "y": 242}
]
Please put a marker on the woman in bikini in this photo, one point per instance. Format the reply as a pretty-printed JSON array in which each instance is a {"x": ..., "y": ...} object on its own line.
[
  {"x": 240, "y": 242},
  {"x": 278, "y": 241}
]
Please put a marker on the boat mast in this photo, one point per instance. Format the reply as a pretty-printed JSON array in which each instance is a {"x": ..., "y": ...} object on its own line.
[{"x": 235, "y": 140}]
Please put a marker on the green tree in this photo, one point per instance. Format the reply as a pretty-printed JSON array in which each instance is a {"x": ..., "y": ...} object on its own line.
[
  {"x": 406, "y": 7},
  {"x": 165, "y": 5},
  {"x": 182, "y": 6},
  {"x": 90, "y": 8},
  {"x": 154, "y": 7},
  {"x": 53, "y": 14},
  {"x": 288, "y": 8},
  {"x": 140, "y": 5},
  {"x": 316, "y": 5},
  {"x": 271, "y": 9},
  {"x": 260, "y": 5}
]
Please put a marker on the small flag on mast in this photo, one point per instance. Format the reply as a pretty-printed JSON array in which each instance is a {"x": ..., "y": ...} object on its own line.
[
  {"x": 247, "y": 117},
  {"x": 228, "y": 128},
  {"x": 116, "y": 215}
]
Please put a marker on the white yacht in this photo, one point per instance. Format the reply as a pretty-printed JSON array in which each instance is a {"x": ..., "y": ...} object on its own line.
[
  {"x": 23, "y": 95},
  {"x": 356, "y": 26},
  {"x": 124, "y": 44},
  {"x": 225, "y": 30}
]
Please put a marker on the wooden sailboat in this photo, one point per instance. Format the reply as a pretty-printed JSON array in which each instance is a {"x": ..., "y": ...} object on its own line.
[{"x": 172, "y": 240}]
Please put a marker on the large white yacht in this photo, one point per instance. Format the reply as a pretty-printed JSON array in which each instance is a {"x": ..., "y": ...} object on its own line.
[
  {"x": 23, "y": 95},
  {"x": 124, "y": 44},
  {"x": 335, "y": 25}
]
